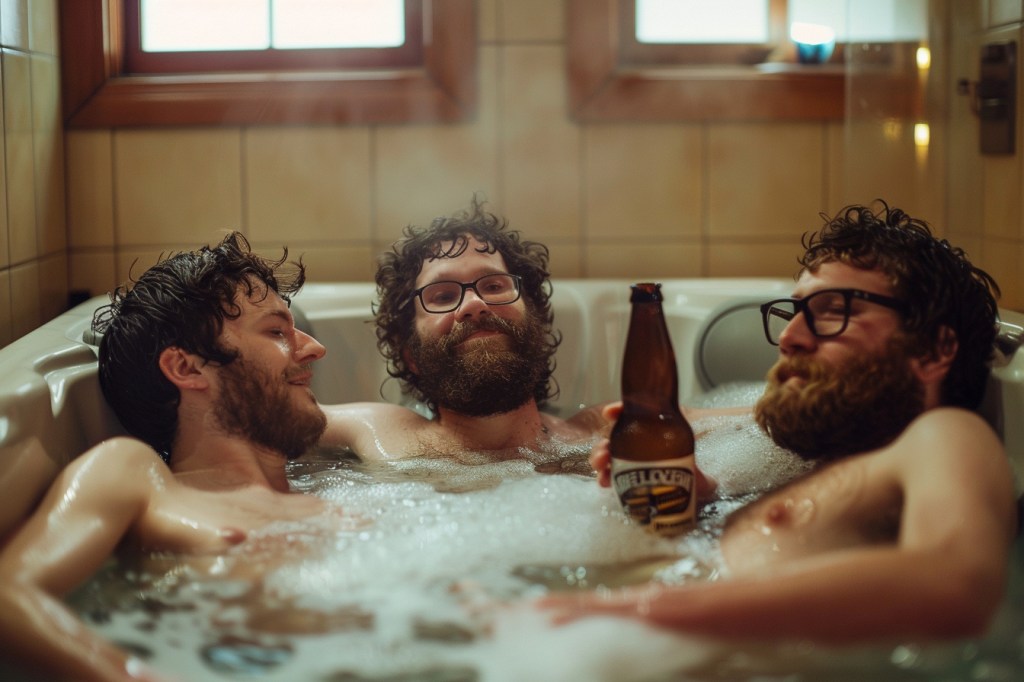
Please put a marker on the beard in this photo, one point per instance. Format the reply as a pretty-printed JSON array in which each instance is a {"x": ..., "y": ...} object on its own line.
[
  {"x": 860, "y": 406},
  {"x": 489, "y": 376},
  {"x": 260, "y": 407}
]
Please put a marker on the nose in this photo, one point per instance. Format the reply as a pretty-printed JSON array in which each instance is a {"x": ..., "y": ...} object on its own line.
[
  {"x": 307, "y": 349},
  {"x": 797, "y": 336},
  {"x": 472, "y": 305}
]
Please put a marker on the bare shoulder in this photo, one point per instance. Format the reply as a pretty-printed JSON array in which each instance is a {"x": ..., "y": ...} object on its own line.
[
  {"x": 953, "y": 433},
  {"x": 119, "y": 460},
  {"x": 372, "y": 430}
]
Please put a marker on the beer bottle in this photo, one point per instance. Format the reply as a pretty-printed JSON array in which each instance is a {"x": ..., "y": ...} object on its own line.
[{"x": 653, "y": 468}]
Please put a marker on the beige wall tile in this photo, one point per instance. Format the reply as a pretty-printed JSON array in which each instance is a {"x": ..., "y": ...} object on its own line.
[
  {"x": 42, "y": 26},
  {"x": 754, "y": 259},
  {"x": 487, "y": 20},
  {"x": 94, "y": 271},
  {"x": 879, "y": 160},
  {"x": 49, "y": 155},
  {"x": 566, "y": 259},
  {"x": 644, "y": 260},
  {"x": 531, "y": 20},
  {"x": 764, "y": 179},
  {"x": 540, "y": 147},
  {"x": 25, "y": 300},
  {"x": 643, "y": 181},
  {"x": 18, "y": 149},
  {"x": 1002, "y": 259},
  {"x": 176, "y": 186},
  {"x": 53, "y": 286},
  {"x": 336, "y": 263},
  {"x": 307, "y": 183},
  {"x": 90, "y": 191},
  {"x": 14, "y": 23},
  {"x": 6, "y": 319},
  {"x": 1001, "y": 196},
  {"x": 422, "y": 172}
]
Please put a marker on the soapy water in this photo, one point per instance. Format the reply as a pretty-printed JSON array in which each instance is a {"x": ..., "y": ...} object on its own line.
[{"x": 432, "y": 575}]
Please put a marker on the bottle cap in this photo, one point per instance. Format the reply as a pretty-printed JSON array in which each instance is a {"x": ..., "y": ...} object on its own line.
[{"x": 645, "y": 292}]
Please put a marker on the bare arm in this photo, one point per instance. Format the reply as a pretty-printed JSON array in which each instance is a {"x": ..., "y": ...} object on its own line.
[
  {"x": 943, "y": 577},
  {"x": 79, "y": 523},
  {"x": 374, "y": 431}
]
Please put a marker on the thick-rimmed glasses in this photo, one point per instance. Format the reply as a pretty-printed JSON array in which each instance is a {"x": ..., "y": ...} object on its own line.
[
  {"x": 444, "y": 297},
  {"x": 827, "y": 312}
]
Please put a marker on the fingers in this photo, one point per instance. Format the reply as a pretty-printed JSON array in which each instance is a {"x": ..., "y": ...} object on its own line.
[{"x": 601, "y": 461}]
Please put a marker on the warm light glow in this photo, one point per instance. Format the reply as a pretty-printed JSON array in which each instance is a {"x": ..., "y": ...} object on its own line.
[
  {"x": 922, "y": 134},
  {"x": 924, "y": 57},
  {"x": 811, "y": 34},
  {"x": 892, "y": 129}
]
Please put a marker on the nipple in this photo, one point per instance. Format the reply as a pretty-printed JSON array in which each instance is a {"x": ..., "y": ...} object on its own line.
[
  {"x": 232, "y": 536},
  {"x": 790, "y": 512}
]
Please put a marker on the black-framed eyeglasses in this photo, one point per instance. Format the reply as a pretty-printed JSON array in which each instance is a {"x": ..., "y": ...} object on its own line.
[
  {"x": 827, "y": 312},
  {"x": 444, "y": 297}
]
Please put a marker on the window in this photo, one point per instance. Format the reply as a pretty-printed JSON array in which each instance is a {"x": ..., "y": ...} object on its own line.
[
  {"x": 615, "y": 77},
  {"x": 100, "y": 90},
  {"x": 197, "y": 36}
]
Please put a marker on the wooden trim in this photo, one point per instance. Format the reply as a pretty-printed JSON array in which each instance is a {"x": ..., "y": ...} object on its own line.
[
  {"x": 97, "y": 92},
  {"x": 604, "y": 86}
]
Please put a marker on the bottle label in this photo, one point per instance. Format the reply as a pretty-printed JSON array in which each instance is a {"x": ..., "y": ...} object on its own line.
[{"x": 658, "y": 494}]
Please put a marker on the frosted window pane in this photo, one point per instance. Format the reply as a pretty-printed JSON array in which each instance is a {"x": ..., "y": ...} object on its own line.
[
  {"x": 180, "y": 25},
  {"x": 338, "y": 23},
  {"x": 866, "y": 21},
  {"x": 702, "y": 21},
  {"x": 177, "y": 25}
]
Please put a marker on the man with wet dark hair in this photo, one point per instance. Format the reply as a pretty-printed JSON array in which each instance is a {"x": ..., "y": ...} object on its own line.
[
  {"x": 201, "y": 360},
  {"x": 905, "y": 532},
  {"x": 465, "y": 323}
]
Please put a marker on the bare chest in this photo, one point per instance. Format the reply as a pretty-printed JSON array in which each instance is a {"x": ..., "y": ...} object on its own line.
[{"x": 846, "y": 504}]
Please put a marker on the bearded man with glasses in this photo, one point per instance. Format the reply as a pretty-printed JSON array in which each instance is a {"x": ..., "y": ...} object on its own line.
[
  {"x": 464, "y": 320},
  {"x": 884, "y": 352}
]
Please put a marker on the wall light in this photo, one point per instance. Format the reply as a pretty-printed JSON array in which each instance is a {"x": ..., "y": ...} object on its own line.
[{"x": 924, "y": 58}]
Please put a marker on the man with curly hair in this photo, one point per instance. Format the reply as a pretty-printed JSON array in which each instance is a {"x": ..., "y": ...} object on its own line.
[
  {"x": 905, "y": 531},
  {"x": 464, "y": 320},
  {"x": 203, "y": 365}
]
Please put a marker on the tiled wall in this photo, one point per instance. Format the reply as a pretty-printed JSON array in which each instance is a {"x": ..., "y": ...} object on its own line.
[
  {"x": 611, "y": 200},
  {"x": 33, "y": 243}
]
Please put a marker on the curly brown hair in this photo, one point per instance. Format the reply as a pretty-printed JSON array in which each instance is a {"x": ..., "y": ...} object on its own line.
[
  {"x": 937, "y": 281},
  {"x": 449, "y": 237},
  {"x": 182, "y": 301}
]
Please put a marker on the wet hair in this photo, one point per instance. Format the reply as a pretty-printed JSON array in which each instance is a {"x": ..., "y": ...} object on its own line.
[
  {"x": 181, "y": 302},
  {"x": 449, "y": 237},
  {"x": 937, "y": 281}
]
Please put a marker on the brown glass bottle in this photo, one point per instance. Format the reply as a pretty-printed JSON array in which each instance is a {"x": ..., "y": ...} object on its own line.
[{"x": 653, "y": 468}]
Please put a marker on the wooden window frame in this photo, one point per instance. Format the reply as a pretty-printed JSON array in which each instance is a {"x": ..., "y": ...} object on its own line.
[
  {"x": 98, "y": 92},
  {"x": 605, "y": 86}
]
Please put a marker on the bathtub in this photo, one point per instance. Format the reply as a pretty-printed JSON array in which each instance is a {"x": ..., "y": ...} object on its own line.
[{"x": 49, "y": 394}]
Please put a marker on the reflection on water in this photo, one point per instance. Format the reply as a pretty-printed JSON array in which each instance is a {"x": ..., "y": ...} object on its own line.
[{"x": 428, "y": 583}]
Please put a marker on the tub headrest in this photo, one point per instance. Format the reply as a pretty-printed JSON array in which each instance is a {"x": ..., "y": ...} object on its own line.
[{"x": 731, "y": 346}]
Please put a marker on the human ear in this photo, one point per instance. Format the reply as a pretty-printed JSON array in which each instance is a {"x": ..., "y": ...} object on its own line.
[
  {"x": 933, "y": 366},
  {"x": 183, "y": 369}
]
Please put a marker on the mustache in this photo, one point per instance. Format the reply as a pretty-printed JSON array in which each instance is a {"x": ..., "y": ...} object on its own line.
[
  {"x": 799, "y": 366},
  {"x": 298, "y": 371},
  {"x": 463, "y": 330}
]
